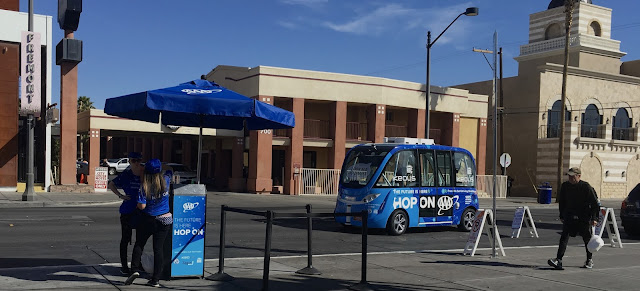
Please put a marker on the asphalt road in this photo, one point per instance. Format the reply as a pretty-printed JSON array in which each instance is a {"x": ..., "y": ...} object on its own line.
[{"x": 90, "y": 235}]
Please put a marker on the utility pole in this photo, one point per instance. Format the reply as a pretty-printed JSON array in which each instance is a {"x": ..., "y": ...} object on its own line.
[
  {"x": 569, "y": 5},
  {"x": 501, "y": 114}
]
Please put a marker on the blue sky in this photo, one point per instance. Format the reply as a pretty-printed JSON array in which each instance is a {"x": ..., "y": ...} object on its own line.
[{"x": 132, "y": 46}]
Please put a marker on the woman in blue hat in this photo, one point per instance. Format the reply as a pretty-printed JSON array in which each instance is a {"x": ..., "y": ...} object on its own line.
[{"x": 153, "y": 200}]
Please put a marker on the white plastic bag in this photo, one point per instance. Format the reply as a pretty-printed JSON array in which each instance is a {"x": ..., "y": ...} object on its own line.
[
  {"x": 595, "y": 243},
  {"x": 147, "y": 262}
]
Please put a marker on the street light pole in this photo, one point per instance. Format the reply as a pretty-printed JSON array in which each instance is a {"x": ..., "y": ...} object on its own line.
[
  {"x": 471, "y": 11},
  {"x": 29, "y": 193}
]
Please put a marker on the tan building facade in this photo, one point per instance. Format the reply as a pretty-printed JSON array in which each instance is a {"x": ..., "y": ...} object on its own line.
[{"x": 603, "y": 95}]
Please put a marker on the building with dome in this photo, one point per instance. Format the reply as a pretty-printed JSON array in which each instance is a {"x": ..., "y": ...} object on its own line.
[{"x": 603, "y": 99}]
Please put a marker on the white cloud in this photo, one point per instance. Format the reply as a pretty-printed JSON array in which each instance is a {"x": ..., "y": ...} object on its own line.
[
  {"x": 375, "y": 22},
  {"x": 391, "y": 18}
]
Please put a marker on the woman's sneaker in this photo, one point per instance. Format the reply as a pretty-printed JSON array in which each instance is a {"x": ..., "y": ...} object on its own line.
[
  {"x": 588, "y": 264},
  {"x": 132, "y": 277},
  {"x": 555, "y": 263},
  {"x": 153, "y": 283}
]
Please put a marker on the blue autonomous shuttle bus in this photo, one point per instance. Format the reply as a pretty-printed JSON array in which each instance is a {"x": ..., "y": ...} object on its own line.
[{"x": 408, "y": 182}]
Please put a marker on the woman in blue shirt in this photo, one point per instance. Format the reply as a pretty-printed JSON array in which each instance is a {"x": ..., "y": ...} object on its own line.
[{"x": 153, "y": 200}]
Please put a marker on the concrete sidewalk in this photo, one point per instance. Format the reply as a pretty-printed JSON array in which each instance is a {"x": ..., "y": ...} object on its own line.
[
  {"x": 52, "y": 199},
  {"x": 522, "y": 269}
]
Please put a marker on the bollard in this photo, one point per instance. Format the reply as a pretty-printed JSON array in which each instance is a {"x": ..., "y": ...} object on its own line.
[
  {"x": 363, "y": 285},
  {"x": 309, "y": 269},
  {"x": 221, "y": 275},
  {"x": 267, "y": 251}
]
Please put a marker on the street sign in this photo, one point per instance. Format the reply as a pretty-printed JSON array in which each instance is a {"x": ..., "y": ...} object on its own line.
[
  {"x": 101, "y": 179},
  {"x": 483, "y": 221},
  {"x": 523, "y": 214},
  {"x": 505, "y": 160}
]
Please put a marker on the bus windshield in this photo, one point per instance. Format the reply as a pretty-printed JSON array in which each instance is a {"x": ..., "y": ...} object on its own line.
[{"x": 361, "y": 164}]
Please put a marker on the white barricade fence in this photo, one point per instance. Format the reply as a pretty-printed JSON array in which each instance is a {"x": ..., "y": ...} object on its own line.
[
  {"x": 483, "y": 217},
  {"x": 318, "y": 181},
  {"x": 607, "y": 221},
  {"x": 484, "y": 186},
  {"x": 523, "y": 214}
]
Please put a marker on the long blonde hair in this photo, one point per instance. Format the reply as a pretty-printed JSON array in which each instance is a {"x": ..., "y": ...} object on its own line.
[{"x": 153, "y": 185}]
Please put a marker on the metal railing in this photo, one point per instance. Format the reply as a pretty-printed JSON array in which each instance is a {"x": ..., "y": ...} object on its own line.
[
  {"x": 281, "y": 132},
  {"x": 356, "y": 131},
  {"x": 316, "y": 128},
  {"x": 591, "y": 131},
  {"x": 620, "y": 133},
  {"x": 318, "y": 181},
  {"x": 395, "y": 130},
  {"x": 546, "y": 131},
  {"x": 484, "y": 186}
]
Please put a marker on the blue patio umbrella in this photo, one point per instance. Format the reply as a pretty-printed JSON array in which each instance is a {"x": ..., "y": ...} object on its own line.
[{"x": 202, "y": 104}]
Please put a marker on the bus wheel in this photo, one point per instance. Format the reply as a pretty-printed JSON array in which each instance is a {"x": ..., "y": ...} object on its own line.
[
  {"x": 398, "y": 222},
  {"x": 466, "y": 220}
]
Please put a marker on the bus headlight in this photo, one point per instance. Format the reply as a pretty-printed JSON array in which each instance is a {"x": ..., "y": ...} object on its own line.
[{"x": 370, "y": 198}]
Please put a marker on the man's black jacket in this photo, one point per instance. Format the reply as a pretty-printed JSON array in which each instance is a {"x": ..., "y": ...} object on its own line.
[{"x": 579, "y": 200}]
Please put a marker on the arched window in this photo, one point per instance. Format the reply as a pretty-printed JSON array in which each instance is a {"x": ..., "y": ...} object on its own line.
[
  {"x": 591, "y": 118},
  {"x": 553, "y": 31},
  {"x": 594, "y": 29},
  {"x": 622, "y": 125},
  {"x": 553, "y": 122}
]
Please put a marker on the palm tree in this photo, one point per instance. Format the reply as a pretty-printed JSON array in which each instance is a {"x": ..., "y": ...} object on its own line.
[{"x": 84, "y": 104}]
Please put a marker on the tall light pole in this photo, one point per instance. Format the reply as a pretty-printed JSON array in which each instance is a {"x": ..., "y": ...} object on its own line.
[{"x": 471, "y": 11}]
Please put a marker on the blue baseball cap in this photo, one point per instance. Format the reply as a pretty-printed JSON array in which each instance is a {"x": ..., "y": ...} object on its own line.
[
  {"x": 135, "y": 155},
  {"x": 153, "y": 166}
]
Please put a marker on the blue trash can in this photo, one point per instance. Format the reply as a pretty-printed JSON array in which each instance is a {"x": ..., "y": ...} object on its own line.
[{"x": 544, "y": 193}]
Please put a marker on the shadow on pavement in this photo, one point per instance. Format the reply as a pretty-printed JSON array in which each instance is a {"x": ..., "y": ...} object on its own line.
[
  {"x": 483, "y": 263},
  {"x": 30, "y": 262}
]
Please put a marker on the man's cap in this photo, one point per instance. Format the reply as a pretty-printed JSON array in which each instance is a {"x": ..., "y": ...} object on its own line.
[
  {"x": 574, "y": 171},
  {"x": 135, "y": 155},
  {"x": 153, "y": 166}
]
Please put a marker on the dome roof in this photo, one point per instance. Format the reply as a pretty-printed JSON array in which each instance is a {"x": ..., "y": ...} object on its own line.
[{"x": 558, "y": 3}]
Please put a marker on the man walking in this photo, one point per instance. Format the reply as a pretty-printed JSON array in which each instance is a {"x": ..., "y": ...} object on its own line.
[{"x": 578, "y": 205}]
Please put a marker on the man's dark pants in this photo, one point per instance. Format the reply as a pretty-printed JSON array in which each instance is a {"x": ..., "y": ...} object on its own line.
[
  {"x": 127, "y": 231},
  {"x": 571, "y": 227}
]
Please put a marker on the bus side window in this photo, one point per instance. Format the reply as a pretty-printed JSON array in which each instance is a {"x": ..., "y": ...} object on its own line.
[
  {"x": 427, "y": 166},
  {"x": 465, "y": 170},
  {"x": 400, "y": 171},
  {"x": 444, "y": 168}
]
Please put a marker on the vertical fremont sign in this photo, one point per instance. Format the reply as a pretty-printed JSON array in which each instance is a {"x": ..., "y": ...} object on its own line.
[{"x": 30, "y": 73}]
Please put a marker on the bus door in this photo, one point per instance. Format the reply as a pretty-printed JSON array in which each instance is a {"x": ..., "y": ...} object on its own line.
[
  {"x": 436, "y": 195},
  {"x": 400, "y": 176}
]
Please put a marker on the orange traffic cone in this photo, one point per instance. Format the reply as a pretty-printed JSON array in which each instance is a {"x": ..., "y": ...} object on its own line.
[{"x": 83, "y": 179}]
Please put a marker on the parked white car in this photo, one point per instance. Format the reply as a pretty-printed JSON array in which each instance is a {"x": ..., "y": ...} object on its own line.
[
  {"x": 187, "y": 175},
  {"x": 117, "y": 165}
]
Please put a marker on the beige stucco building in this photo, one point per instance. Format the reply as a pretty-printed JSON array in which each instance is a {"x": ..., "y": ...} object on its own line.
[
  {"x": 603, "y": 95},
  {"x": 333, "y": 112}
]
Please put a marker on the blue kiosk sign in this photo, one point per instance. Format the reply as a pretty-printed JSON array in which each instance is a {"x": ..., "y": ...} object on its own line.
[{"x": 187, "y": 251}]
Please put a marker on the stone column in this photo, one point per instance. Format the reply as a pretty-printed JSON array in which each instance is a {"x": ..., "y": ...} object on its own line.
[
  {"x": 293, "y": 153},
  {"x": 338, "y": 130},
  {"x": 186, "y": 152},
  {"x": 416, "y": 124},
  {"x": 94, "y": 154},
  {"x": 260, "y": 152},
  {"x": 110, "y": 142},
  {"x": 376, "y": 122},
  {"x": 167, "y": 143},
  {"x": 68, "y": 119},
  {"x": 237, "y": 182},
  {"x": 481, "y": 155}
]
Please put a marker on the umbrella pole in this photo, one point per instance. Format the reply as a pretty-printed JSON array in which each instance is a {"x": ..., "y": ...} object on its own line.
[{"x": 199, "y": 152}]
